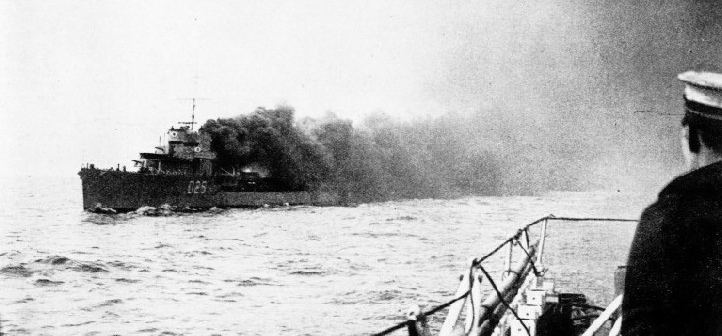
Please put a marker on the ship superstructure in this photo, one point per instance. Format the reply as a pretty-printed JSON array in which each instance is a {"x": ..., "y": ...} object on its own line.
[
  {"x": 182, "y": 174},
  {"x": 186, "y": 152}
]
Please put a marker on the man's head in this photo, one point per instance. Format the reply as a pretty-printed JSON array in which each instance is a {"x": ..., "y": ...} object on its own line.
[{"x": 702, "y": 122}]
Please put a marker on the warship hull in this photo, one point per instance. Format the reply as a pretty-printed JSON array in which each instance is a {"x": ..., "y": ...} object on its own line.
[{"x": 127, "y": 191}]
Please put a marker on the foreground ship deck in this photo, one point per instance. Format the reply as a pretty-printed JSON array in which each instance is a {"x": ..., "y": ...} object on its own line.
[{"x": 523, "y": 303}]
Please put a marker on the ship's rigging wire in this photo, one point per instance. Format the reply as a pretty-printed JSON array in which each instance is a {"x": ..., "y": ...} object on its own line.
[
  {"x": 501, "y": 299},
  {"x": 531, "y": 260},
  {"x": 476, "y": 263}
]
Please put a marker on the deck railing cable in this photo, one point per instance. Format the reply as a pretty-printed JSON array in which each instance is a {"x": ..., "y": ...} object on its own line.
[
  {"x": 501, "y": 298},
  {"x": 476, "y": 263}
]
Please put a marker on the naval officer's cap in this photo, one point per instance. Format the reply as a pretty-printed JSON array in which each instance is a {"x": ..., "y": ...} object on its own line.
[{"x": 703, "y": 99}]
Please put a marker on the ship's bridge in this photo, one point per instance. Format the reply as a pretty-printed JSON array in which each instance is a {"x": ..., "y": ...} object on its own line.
[
  {"x": 187, "y": 152},
  {"x": 182, "y": 135}
]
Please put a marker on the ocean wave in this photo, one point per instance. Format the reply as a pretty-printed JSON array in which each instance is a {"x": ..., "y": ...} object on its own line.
[
  {"x": 75, "y": 265},
  {"x": 252, "y": 281},
  {"x": 199, "y": 282},
  {"x": 106, "y": 303},
  {"x": 401, "y": 218},
  {"x": 109, "y": 218},
  {"x": 385, "y": 234},
  {"x": 122, "y": 265},
  {"x": 77, "y": 324},
  {"x": 127, "y": 280},
  {"x": 307, "y": 272},
  {"x": 47, "y": 282},
  {"x": 89, "y": 268},
  {"x": 355, "y": 274},
  {"x": 10, "y": 253},
  {"x": 230, "y": 294},
  {"x": 25, "y": 300},
  {"x": 19, "y": 271},
  {"x": 54, "y": 260},
  {"x": 372, "y": 297},
  {"x": 148, "y": 330}
]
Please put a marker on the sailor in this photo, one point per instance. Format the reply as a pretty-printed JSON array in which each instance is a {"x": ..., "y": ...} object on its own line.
[{"x": 673, "y": 284}]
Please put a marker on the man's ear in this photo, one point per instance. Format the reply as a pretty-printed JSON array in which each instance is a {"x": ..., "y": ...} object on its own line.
[{"x": 693, "y": 140}]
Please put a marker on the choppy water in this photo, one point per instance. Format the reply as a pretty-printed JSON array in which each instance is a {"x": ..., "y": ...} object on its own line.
[{"x": 293, "y": 271}]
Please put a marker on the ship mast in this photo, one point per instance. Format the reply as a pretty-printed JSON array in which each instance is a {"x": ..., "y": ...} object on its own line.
[{"x": 193, "y": 113}]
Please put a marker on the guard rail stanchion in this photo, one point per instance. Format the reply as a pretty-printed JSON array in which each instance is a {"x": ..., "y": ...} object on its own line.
[
  {"x": 455, "y": 309},
  {"x": 543, "y": 238},
  {"x": 416, "y": 322}
]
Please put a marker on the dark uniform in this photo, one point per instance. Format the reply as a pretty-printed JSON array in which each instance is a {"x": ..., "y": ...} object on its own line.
[
  {"x": 673, "y": 284},
  {"x": 674, "y": 274}
]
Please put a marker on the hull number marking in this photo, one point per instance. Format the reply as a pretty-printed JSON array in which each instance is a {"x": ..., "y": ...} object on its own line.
[{"x": 197, "y": 187}]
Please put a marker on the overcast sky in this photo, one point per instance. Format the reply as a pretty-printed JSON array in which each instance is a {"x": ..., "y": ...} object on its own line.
[
  {"x": 99, "y": 81},
  {"x": 83, "y": 77}
]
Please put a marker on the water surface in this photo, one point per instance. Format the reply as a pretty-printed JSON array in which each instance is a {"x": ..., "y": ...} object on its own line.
[{"x": 291, "y": 271}]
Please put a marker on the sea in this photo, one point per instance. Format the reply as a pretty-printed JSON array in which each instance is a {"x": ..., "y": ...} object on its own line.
[{"x": 298, "y": 270}]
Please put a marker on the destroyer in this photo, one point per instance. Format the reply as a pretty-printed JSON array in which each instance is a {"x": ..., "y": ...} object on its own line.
[{"x": 182, "y": 175}]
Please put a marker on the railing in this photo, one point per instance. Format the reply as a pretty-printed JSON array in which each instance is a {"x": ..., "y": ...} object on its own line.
[
  {"x": 484, "y": 314},
  {"x": 605, "y": 316}
]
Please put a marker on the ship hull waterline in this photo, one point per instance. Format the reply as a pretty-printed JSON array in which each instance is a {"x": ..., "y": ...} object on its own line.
[{"x": 128, "y": 191}]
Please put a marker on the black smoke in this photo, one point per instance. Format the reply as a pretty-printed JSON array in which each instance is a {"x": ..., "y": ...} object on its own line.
[
  {"x": 549, "y": 95},
  {"x": 379, "y": 160},
  {"x": 269, "y": 139}
]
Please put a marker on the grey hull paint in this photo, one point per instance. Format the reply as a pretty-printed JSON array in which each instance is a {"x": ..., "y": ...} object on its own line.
[{"x": 130, "y": 190}]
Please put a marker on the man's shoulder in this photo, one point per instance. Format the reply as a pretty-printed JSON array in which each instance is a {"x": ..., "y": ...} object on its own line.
[
  {"x": 666, "y": 206},
  {"x": 703, "y": 181},
  {"x": 681, "y": 214},
  {"x": 688, "y": 193}
]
